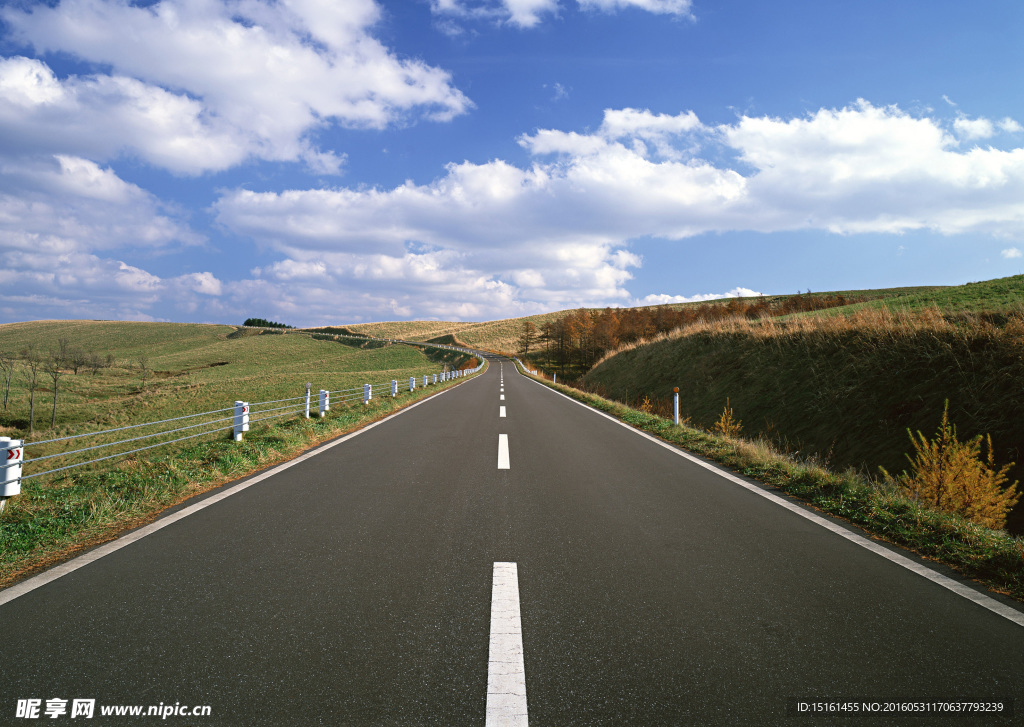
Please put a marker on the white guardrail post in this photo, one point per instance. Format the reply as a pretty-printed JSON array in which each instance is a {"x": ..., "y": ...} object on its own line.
[
  {"x": 367, "y": 393},
  {"x": 675, "y": 405},
  {"x": 412, "y": 383},
  {"x": 241, "y": 419},
  {"x": 394, "y": 388},
  {"x": 13, "y": 456},
  {"x": 309, "y": 385},
  {"x": 325, "y": 402},
  {"x": 425, "y": 382}
]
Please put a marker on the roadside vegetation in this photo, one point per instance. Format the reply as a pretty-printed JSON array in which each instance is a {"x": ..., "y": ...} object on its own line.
[
  {"x": 844, "y": 390},
  {"x": 184, "y": 369}
]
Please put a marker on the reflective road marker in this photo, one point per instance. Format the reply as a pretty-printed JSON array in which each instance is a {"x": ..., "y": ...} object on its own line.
[{"x": 506, "y": 673}]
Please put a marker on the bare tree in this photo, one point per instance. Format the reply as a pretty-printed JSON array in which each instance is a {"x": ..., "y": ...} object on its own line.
[
  {"x": 79, "y": 358},
  {"x": 95, "y": 362},
  {"x": 63, "y": 353},
  {"x": 527, "y": 337},
  {"x": 33, "y": 361},
  {"x": 53, "y": 369},
  {"x": 7, "y": 371}
]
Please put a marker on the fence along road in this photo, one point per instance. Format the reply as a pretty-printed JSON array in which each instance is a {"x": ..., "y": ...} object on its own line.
[{"x": 378, "y": 583}]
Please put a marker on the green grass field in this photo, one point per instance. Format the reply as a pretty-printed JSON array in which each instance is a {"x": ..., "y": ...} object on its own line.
[{"x": 194, "y": 368}]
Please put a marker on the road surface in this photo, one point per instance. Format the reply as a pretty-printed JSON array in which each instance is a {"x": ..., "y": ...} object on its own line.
[{"x": 423, "y": 573}]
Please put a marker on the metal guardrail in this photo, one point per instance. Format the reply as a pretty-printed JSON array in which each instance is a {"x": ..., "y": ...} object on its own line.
[{"x": 12, "y": 451}]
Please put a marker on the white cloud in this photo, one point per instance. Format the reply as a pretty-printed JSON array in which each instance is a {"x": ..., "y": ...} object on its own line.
[
  {"x": 105, "y": 116},
  {"x": 519, "y": 13},
  {"x": 664, "y": 299},
  {"x": 495, "y": 239},
  {"x": 68, "y": 204},
  {"x": 530, "y": 13},
  {"x": 204, "y": 84},
  {"x": 490, "y": 240},
  {"x": 63, "y": 221},
  {"x": 980, "y": 128},
  {"x": 82, "y": 285},
  {"x": 1011, "y": 253},
  {"x": 682, "y": 8},
  {"x": 1010, "y": 126}
]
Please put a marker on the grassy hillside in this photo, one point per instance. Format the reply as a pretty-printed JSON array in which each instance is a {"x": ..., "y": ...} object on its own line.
[
  {"x": 498, "y": 335},
  {"x": 194, "y": 368},
  {"x": 845, "y": 388}
]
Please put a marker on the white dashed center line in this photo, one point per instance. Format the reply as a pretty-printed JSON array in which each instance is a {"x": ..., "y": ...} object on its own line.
[
  {"x": 501, "y": 412},
  {"x": 503, "y": 463},
  {"x": 506, "y": 673},
  {"x": 503, "y": 397}
]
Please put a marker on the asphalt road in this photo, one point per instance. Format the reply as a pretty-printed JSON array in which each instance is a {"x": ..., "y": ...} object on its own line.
[{"x": 355, "y": 588}]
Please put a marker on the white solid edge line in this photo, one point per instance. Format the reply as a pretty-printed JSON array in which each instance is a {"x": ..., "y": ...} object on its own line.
[
  {"x": 960, "y": 589},
  {"x": 30, "y": 584},
  {"x": 506, "y": 672},
  {"x": 503, "y": 461}
]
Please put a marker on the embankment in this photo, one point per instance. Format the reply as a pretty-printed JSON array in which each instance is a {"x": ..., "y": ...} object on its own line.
[{"x": 841, "y": 389}]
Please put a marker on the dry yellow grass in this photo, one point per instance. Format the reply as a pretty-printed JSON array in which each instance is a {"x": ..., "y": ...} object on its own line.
[{"x": 883, "y": 323}]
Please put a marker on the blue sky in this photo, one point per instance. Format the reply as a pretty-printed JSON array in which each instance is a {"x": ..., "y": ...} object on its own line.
[{"x": 339, "y": 161}]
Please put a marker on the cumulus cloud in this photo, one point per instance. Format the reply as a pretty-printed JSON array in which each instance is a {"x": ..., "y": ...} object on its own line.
[
  {"x": 664, "y": 299},
  {"x": 974, "y": 128},
  {"x": 555, "y": 232},
  {"x": 69, "y": 204},
  {"x": 247, "y": 79},
  {"x": 63, "y": 221},
  {"x": 103, "y": 117},
  {"x": 682, "y": 8},
  {"x": 530, "y": 13},
  {"x": 519, "y": 13},
  {"x": 1010, "y": 126},
  {"x": 1011, "y": 253}
]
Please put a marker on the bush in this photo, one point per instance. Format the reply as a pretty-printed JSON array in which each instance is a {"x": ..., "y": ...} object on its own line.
[
  {"x": 955, "y": 477},
  {"x": 727, "y": 425}
]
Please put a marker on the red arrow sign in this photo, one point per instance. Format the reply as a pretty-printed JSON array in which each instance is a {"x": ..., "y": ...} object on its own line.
[
  {"x": 245, "y": 410},
  {"x": 13, "y": 454}
]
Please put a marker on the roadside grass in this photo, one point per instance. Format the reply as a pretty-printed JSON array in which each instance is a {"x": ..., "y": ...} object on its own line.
[{"x": 55, "y": 518}]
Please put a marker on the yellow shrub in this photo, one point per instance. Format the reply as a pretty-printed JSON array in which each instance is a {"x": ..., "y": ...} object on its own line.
[
  {"x": 726, "y": 424},
  {"x": 953, "y": 476}
]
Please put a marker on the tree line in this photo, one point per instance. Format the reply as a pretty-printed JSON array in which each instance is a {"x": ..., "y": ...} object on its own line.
[
  {"x": 264, "y": 323},
  {"x": 574, "y": 342}
]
